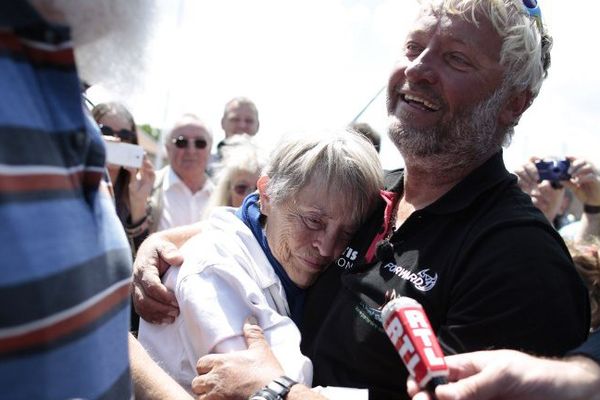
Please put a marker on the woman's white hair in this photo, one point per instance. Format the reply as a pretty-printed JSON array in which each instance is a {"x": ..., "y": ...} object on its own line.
[
  {"x": 343, "y": 162},
  {"x": 526, "y": 44}
]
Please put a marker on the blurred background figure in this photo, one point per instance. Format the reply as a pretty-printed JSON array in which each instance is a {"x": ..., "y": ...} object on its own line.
[
  {"x": 581, "y": 178},
  {"x": 131, "y": 187},
  {"x": 241, "y": 167},
  {"x": 240, "y": 116},
  {"x": 367, "y": 131},
  {"x": 182, "y": 188},
  {"x": 587, "y": 262},
  {"x": 66, "y": 263},
  {"x": 551, "y": 201}
]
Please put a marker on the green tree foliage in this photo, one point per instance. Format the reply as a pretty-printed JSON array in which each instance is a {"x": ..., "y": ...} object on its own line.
[{"x": 150, "y": 130}]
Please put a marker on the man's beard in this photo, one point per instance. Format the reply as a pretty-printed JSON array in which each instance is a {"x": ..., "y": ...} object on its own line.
[
  {"x": 110, "y": 39},
  {"x": 465, "y": 140}
]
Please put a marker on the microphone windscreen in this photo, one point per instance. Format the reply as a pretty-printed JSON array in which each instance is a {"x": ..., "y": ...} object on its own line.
[{"x": 408, "y": 328}]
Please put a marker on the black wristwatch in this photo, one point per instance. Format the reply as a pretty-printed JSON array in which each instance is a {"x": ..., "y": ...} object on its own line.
[{"x": 276, "y": 390}]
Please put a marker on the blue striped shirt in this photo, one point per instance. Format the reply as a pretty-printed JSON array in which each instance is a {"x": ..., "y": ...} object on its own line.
[{"x": 65, "y": 261}]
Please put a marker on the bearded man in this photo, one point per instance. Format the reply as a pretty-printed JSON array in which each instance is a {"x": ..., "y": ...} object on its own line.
[
  {"x": 454, "y": 231},
  {"x": 465, "y": 242}
]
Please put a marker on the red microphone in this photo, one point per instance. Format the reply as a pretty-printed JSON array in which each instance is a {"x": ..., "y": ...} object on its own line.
[{"x": 408, "y": 327}]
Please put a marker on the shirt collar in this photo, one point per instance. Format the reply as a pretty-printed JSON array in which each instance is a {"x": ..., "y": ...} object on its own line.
[
  {"x": 171, "y": 179},
  {"x": 489, "y": 174},
  {"x": 473, "y": 186}
]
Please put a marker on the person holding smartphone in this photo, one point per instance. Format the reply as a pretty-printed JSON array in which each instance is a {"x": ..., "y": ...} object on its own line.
[{"x": 131, "y": 186}]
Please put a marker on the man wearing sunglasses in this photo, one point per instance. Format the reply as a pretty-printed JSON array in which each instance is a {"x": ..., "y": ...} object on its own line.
[{"x": 182, "y": 188}]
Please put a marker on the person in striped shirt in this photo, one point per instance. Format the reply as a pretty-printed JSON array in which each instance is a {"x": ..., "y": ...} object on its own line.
[{"x": 65, "y": 260}]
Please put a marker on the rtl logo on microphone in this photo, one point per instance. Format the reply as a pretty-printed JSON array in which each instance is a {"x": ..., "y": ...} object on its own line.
[{"x": 409, "y": 330}]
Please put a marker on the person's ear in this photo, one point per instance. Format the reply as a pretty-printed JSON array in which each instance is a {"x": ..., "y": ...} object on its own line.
[
  {"x": 514, "y": 107},
  {"x": 265, "y": 201}
]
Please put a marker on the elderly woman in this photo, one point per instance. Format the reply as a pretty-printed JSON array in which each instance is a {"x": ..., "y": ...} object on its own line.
[{"x": 259, "y": 260}]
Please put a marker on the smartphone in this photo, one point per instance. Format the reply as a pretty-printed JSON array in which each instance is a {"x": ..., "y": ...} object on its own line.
[{"x": 124, "y": 154}]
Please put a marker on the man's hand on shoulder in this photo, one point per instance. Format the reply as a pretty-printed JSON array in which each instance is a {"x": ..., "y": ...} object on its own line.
[
  {"x": 239, "y": 374},
  {"x": 151, "y": 299}
]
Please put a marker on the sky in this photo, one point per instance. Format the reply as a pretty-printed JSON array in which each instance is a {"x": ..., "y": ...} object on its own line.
[{"x": 315, "y": 64}]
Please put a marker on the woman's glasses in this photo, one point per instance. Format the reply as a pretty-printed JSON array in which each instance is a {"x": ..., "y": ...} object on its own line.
[
  {"x": 243, "y": 189},
  {"x": 124, "y": 134},
  {"x": 182, "y": 143}
]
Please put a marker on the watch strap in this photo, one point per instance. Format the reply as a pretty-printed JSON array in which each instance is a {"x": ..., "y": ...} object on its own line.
[
  {"x": 277, "y": 389},
  {"x": 264, "y": 394},
  {"x": 588, "y": 209}
]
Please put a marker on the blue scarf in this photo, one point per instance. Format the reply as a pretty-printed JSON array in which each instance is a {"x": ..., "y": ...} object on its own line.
[{"x": 249, "y": 213}]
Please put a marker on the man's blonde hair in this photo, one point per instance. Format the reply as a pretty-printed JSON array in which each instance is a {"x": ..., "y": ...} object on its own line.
[{"x": 526, "y": 43}]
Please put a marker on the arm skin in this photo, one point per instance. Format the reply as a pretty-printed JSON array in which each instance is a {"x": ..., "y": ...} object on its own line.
[
  {"x": 509, "y": 374},
  {"x": 151, "y": 299},
  {"x": 150, "y": 382},
  {"x": 590, "y": 227},
  {"x": 301, "y": 392},
  {"x": 237, "y": 375},
  {"x": 140, "y": 187},
  {"x": 585, "y": 185}
]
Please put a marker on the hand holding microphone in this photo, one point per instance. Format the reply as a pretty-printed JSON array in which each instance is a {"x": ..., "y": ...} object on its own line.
[
  {"x": 483, "y": 375},
  {"x": 409, "y": 330}
]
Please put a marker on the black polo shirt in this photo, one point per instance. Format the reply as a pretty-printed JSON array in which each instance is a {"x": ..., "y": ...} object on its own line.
[{"x": 488, "y": 268}]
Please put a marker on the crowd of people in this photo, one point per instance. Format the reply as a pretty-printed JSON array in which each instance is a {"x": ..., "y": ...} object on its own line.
[{"x": 264, "y": 277}]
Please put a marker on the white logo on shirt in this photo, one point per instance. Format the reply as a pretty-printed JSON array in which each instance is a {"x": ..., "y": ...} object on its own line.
[
  {"x": 347, "y": 258},
  {"x": 421, "y": 281}
]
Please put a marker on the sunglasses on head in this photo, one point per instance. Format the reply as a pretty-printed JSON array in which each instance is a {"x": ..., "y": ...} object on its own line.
[
  {"x": 243, "y": 189},
  {"x": 182, "y": 143},
  {"x": 124, "y": 134},
  {"x": 533, "y": 9}
]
